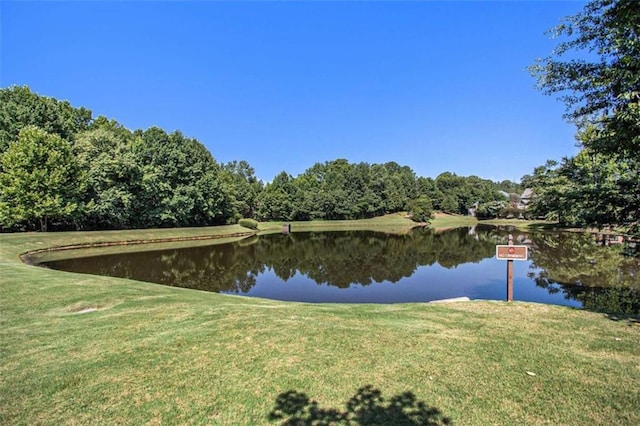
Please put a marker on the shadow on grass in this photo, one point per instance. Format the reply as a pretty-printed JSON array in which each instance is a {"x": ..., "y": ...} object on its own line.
[
  {"x": 631, "y": 319},
  {"x": 366, "y": 407}
]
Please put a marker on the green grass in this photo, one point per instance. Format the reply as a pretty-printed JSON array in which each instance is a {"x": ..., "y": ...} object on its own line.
[
  {"x": 522, "y": 224},
  {"x": 79, "y": 349},
  {"x": 446, "y": 221},
  {"x": 393, "y": 223}
]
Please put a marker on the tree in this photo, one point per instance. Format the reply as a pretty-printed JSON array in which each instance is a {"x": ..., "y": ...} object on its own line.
[
  {"x": 112, "y": 178},
  {"x": 450, "y": 204},
  {"x": 20, "y": 107},
  {"x": 602, "y": 90},
  {"x": 551, "y": 188},
  {"x": 38, "y": 179},
  {"x": 276, "y": 201},
  {"x": 491, "y": 210},
  {"x": 421, "y": 209},
  {"x": 181, "y": 182},
  {"x": 243, "y": 187}
]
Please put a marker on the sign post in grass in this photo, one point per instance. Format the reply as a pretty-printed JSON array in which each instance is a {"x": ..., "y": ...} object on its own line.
[{"x": 510, "y": 253}]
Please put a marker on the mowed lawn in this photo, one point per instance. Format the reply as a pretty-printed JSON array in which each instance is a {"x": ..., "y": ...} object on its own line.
[{"x": 80, "y": 349}]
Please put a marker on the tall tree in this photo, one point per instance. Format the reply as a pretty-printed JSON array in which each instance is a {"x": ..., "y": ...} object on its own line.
[
  {"x": 276, "y": 201},
  {"x": 602, "y": 88},
  {"x": 181, "y": 183},
  {"x": 112, "y": 177},
  {"x": 20, "y": 107},
  {"x": 596, "y": 71},
  {"x": 39, "y": 178},
  {"x": 243, "y": 187}
]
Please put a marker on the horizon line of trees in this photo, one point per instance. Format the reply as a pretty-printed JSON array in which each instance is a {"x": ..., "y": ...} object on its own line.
[
  {"x": 60, "y": 168},
  {"x": 63, "y": 169}
]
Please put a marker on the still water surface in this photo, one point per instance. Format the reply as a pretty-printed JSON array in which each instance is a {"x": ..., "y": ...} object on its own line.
[{"x": 370, "y": 267}]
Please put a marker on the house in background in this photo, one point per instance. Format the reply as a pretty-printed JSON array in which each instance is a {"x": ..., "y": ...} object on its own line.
[
  {"x": 505, "y": 194},
  {"x": 525, "y": 199}
]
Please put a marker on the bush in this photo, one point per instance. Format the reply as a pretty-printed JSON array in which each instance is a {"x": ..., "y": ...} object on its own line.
[
  {"x": 421, "y": 209},
  {"x": 248, "y": 223},
  {"x": 491, "y": 210}
]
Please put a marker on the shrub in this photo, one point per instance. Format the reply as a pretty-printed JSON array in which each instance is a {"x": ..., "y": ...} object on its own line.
[
  {"x": 248, "y": 223},
  {"x": 421, "y": 209},
  {"x": 491, "y": 210}
]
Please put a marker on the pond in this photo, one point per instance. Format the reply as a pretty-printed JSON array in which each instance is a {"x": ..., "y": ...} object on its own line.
[{"x": 371, "y": 267}]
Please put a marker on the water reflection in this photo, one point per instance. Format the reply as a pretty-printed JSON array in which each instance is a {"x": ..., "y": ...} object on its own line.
[
  {"x": 419, "y": 266},
  {"x": 598, "y": 276}
]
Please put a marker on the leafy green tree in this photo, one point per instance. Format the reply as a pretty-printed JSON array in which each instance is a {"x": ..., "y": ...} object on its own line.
[
  {"x": 550, "y": 188},
  {"x": 591, "y": 189},
  {"x": 450, "y": 204},
  {"x": 181, "y": 183},
  {"x": 276, "y": 201},
  {"x": 20, "y": 107},
  {"x": 243, "y": 187},
  {"x": 596, "y": 71},
  {"x": 39, "y": 178},
  {"x": 492, "y": 209},
  {"x": 113, "y": 178},
  {"x": 600, "y": 88},
  {"x": 421, "y": 209},
  {"x": 510, "y": 187}
]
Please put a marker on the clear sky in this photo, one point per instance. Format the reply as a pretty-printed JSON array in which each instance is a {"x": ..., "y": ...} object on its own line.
[{"x": 436, "y": 86}]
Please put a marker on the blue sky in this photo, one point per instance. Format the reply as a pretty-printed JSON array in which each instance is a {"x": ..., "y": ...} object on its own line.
[{"x": 437, "y": 86}]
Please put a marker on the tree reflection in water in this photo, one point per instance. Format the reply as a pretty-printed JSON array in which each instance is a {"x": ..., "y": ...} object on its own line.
[{"x": 601, "y": 278}]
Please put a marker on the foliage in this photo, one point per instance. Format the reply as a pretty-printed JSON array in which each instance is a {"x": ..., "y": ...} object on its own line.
[
  {"x": 150, "y": 178},
  {"x": 338, "y": 190},
  {"x": 181, "y": 183},
  {"x": 602, "y": 87},
  {"x": 113, "y": 178},
  {"x": 601, "y": 91},
  {"x": 248, "y": 223},
  {"x": 243, "y": 187},
  {"x": 588, "y": 190},
  {"x": 276, "y": 201},
  {"x": 421, "y": 209},
  {"x": 457, "y": 194},
  {"x": 19, "y": 108},
  {"x": 492, "y": 210},
  {"x": 38, "y": 178},
  {"x": 510, "y": 187}
]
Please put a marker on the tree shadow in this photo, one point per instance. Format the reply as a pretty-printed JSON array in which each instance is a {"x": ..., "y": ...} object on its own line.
[
  {"x": 630, "y": 318},
  {"x": 366, "y": 407}
]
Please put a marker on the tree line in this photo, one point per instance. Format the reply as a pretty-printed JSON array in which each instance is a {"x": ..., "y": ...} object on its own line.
[{"x": 63, "y": 169}]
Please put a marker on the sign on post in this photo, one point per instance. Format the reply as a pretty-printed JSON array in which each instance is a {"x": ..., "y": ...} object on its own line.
[{"x": 511, "y": 252}]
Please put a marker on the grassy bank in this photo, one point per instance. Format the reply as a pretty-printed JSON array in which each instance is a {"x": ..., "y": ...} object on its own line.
[{"x": 78, "y": 349}]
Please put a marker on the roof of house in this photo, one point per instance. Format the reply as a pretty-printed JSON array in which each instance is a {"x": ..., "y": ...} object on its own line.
[{"x": 526, "y": 194}]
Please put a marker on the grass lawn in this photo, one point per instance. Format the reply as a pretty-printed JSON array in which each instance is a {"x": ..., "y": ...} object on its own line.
[{"x": 79, "y": 349}]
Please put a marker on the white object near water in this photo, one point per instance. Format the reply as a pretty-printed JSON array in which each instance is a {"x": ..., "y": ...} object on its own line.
[{"x": 452, "y": 300}]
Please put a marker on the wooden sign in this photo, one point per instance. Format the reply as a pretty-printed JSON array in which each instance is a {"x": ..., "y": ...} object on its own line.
[{"x": 511, "y": 252}]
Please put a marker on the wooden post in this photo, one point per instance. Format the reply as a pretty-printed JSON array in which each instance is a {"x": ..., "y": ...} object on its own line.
[{"x": 510, "y": 274}]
